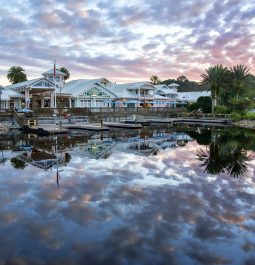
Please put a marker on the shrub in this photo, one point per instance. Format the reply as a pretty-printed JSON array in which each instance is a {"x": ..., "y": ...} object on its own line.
[
  {"x": 220, "y": 109},
  {"x": 205, "y": 104},
  {"x": 250, "y": 116},
  {"x": 240, "y": 104},
  {"x": 235, "y": 116},
  {"x": 192, "y": 107}
]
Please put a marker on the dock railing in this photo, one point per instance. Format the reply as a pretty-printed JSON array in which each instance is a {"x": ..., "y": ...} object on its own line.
[{"x": 54, "y": 115}]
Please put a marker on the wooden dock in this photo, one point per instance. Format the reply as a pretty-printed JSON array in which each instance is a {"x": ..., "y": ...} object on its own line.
[
  {"x": 86, "y": 126},
  {"x": 44, "y": 131},
  {"x": 201, "y": 120},
  {"x": 123, "y": 125},
  {"x": 147, "y": 122}
]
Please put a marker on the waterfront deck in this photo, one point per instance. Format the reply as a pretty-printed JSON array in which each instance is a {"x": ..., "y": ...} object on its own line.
[
  {"x": 45, "y": 130},
  {"x": 145, "y": 122},
  {"x": 86, "y": 126},
  {"x": 123, "y": 125}
]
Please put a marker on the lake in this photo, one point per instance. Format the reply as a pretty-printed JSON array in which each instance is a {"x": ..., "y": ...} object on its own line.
[{"x": 171, "y": 195}]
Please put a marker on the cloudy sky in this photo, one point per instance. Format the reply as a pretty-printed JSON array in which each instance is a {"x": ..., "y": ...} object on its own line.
[{"x": 126, "y": 40}]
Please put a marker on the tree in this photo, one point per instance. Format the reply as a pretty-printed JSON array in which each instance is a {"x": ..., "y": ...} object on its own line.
[
  {"x": 239, "y": 78},
  {"x": 214, "y": 79},
  {"x": 182, "y": 79},
  {"x": 226, "y": 153},
  {"x": 205, "y": 103},
  {"x": 66, "y": 72},
  {"x": 155, "y": 80},
  {"x": 16, "y": 74}
]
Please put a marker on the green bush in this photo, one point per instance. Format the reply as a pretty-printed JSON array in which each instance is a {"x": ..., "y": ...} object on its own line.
[
  {"x": 240, "y": 104},
  {"x": 235, "y": 116},
  {"x": 205, "y": 104},
  {"x": 192, "y": 107},
  {"x": 250, "y": 116},
  {"x": 220, "y": 109}
]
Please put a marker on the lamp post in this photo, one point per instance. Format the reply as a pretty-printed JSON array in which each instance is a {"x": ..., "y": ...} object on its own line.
[{"x": 60, "y": 110}]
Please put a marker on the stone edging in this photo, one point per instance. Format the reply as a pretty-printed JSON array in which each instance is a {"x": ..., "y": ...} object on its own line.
[{"x": 250, "y": 124}]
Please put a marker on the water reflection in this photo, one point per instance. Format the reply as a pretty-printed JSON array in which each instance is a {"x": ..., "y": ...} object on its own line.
[
  {"x": 132, "y": 208},
  {"x": 227, "y": 152},
  {"x": 223, "y": 150}
]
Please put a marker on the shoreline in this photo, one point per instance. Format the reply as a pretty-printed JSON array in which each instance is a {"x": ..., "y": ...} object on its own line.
[
  {"x": 248, "y": 124},
  {"x": 5, "y": 127}
]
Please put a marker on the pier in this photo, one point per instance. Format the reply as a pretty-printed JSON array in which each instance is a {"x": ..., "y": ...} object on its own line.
[
  {"x": 86, "y": 126},
  {"x": 123, "y": 125},
  {"x": 44, "y": 131}
]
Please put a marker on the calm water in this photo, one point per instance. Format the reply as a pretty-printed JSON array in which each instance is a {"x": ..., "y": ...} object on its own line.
[{"x": 156, "y": 196}]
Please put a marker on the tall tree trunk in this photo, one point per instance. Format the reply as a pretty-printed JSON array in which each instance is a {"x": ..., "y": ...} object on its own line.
[{"x": 214, "y": 101}]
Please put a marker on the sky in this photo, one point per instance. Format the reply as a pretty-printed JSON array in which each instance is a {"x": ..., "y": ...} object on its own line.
[{"x": 126, "y": 41}]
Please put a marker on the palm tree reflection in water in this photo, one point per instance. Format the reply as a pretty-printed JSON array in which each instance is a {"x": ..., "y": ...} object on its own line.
[{"x": 224, "y": 155}]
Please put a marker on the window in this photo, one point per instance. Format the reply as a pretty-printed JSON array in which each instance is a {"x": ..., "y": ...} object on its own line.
[{"x": 84, "y": 103}]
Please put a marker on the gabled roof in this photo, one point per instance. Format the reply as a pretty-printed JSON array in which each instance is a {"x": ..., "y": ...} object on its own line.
[
  {"x": 23, "y": 84},
  {"x": 7, "y": 94},
  {"x": 51, "y": 72},
  {"x": 136, "y": 85},
  {"x": 27, "y": 83},
  {"x": 125, "y": 90},
  {"x": 80, "y": 86},
  {"x": 165, "y": 89},
  {"x": 12, "y": 94},
  {"x": 120, "y": 92}
]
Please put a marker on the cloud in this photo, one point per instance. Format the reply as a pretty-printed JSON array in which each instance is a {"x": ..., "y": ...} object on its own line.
[{"x": 126, "y": 42}]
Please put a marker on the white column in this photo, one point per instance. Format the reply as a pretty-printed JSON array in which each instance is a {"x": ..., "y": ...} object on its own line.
[
  {"x": 52, "y": 99},
  {"x": 70, "y": 102},
  {"x": 55, "y": 99},
  {"x": 27, "y": 100}
]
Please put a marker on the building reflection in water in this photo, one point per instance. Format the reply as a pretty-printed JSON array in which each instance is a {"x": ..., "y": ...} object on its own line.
[{"x": 221, "y": 151}]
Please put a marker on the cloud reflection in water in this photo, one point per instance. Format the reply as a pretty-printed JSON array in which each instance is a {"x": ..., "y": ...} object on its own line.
[{"x": 127, "y": 209}]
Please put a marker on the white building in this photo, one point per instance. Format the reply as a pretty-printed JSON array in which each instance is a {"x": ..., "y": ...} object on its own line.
[
  {"x": 169, "y": 92},
  {"x": 102, "y": 92},
  {"x": 48, "y": 91},
  {"x": 41, "y": 92},
  {"x": 192, "y": 96},
  {"x": 10, "y": 99}
]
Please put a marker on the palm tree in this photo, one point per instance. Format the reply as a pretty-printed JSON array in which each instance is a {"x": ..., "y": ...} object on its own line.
[
  {"x": 155, "y": 80},
  {"x": 66, "y": 72},
  {"x": 239, "y": 78},
  {"x": 214, "y": 79},
  {"x": 211, "y": 159},
  {"x": 16, "y": 74},
  {"x": 237, "y": 164}
]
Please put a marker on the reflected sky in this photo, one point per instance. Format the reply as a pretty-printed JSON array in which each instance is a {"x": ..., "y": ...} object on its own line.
[{"x": 130, "y": 208}]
